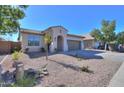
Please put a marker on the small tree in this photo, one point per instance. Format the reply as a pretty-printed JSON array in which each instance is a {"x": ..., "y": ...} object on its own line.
[
  {"x": 9, "y": 18},
  {"x": 108, "y": 28},
  {"x": 96, "y": 34},
  {"x": 106, "y": 33},
  {"x": 47, "y": 40},
  {"x": 120, "y": 37}
]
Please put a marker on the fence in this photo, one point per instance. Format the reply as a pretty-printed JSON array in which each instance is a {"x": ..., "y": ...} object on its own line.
[{"x": 9, "y": 46}]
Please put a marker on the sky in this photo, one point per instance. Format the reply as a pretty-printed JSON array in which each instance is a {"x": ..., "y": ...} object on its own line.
[{"x": 77, "y": 19}]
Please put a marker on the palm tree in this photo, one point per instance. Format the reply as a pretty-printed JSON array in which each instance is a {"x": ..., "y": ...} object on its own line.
[{"x": 47, "y": 40}]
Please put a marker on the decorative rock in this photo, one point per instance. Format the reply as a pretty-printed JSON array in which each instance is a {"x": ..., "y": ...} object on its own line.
[
  {"x": 31, "y": 72},
  {"x": 45, "y": 72},
  {"x": 41, "y": 75},
  {"x": 44, "y": 69},
  {"x": 16, "y": 63}
]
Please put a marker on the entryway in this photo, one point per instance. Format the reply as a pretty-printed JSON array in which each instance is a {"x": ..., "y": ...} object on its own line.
[{"x": 59, "y": 43}]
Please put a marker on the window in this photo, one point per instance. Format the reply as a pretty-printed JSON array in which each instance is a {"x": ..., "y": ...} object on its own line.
[{"x": 33, "y": 40}]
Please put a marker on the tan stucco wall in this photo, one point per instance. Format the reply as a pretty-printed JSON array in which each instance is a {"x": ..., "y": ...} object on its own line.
[
  {"x": 55, "y": 32},
  {"x": 24, "y": 40},
  {"x": 88, "y": 44}
]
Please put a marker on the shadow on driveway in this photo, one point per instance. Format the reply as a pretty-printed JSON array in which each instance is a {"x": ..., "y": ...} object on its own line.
[
  {"x": 86, "y": 54},
  {"x": 38, "y": 54}
]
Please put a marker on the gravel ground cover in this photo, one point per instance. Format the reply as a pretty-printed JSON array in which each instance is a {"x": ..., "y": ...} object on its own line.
[
  {"x": 64, "y": 69},
  {"x": 1, "y": 57}
]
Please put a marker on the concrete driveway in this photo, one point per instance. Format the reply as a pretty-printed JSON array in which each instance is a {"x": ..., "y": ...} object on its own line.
[{"x": 99, "y": 54}]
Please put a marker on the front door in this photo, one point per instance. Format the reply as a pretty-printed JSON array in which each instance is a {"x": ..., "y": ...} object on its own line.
[{"x": 59, "y": 43}]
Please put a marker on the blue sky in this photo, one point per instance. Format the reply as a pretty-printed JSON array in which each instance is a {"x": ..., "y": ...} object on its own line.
[{"x": 77, "y": 19}]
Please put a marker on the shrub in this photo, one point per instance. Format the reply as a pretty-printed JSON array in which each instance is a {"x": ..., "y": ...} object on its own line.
[
  {"x": 25, "y": 82},
  {"x": 16, "y": 55},
  {"x": 55, "y": 50},
  {"x": 86, "y": 69},
  {"x": 120, "y": 37},
  {"x": 15, "y": 49},
  {"x": 42, "y": 49},
  {"x": 26, "y": 50},
  {"x": 79, "y": 59}
]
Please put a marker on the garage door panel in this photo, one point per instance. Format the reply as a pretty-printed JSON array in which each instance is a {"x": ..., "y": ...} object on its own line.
[{"x": 74, "y": 45}]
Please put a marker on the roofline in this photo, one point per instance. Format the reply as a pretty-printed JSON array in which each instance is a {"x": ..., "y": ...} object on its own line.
[
  {"x": 76, "y": 35},
  {"x": 31, "y": 31},
  {"x": 55, "y": 27}
]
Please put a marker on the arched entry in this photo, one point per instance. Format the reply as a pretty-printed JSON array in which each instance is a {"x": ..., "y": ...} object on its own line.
[{"x": 60, "y": 43}]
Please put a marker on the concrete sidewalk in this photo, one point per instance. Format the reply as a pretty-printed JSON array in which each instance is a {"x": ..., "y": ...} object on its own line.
[{"x": 118, "y": 79}]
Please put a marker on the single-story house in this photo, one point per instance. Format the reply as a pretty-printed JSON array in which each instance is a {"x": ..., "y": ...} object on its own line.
[{"x": 61, "y": 40}]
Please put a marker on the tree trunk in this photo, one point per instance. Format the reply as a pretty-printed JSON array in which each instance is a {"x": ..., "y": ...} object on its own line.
[
  {"x": 105, "y": 46},
  {"x": 46, "y": 52}
]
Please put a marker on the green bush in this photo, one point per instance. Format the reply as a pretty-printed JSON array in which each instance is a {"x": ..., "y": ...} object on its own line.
[
  {"x": 15, "y": 49},
  {"x": 79, "y": 59},
  {"x": 16, "y": 55},
  {"x": 26, "y": 50},
  {"x": 120, "y": 37},
  {"x": 42, "y": 49},
  {"x": 25, "y": 82},
  {"x": 55, "y": 50},
  {"x": 86, "y": 69}
]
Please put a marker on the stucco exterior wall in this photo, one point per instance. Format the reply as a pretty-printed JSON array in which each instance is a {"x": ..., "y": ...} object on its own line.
[
  {"x": 24, "y": 40},
  {"x": 55, "y": 32},
  {"x": 89, "y": 44}
]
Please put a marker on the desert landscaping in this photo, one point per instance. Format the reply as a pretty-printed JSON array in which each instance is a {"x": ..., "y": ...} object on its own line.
[{"x": 67, "y": 69}]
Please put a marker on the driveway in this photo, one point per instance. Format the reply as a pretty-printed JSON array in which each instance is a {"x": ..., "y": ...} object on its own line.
[{"x": 99, "y": 54}]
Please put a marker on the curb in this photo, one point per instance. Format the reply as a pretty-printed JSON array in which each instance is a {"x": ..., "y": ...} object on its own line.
[{"x": 118, "y": 78}]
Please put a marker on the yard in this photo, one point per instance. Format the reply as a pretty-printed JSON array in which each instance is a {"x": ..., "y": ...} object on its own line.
[{"x": 64, "y": 68}]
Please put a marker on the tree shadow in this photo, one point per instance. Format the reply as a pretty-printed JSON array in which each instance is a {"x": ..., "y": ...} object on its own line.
[
  {"x": 73, "y": 67},
  {"x": 85, "y": 54},
  {"x": 38, "y": 54},
  {"x": 68, "y": 66}
]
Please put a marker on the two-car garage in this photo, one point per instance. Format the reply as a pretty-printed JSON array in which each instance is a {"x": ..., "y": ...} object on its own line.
[{"x": 74, "y": 45}]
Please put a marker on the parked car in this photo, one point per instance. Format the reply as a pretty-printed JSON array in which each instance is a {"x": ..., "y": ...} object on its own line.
[{"x": 121, "y": 48}]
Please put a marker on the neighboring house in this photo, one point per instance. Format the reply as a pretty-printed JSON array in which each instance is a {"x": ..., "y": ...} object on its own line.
[
  {"x": 61, "y": 40},
  {"x": 89, "y": 42}
]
